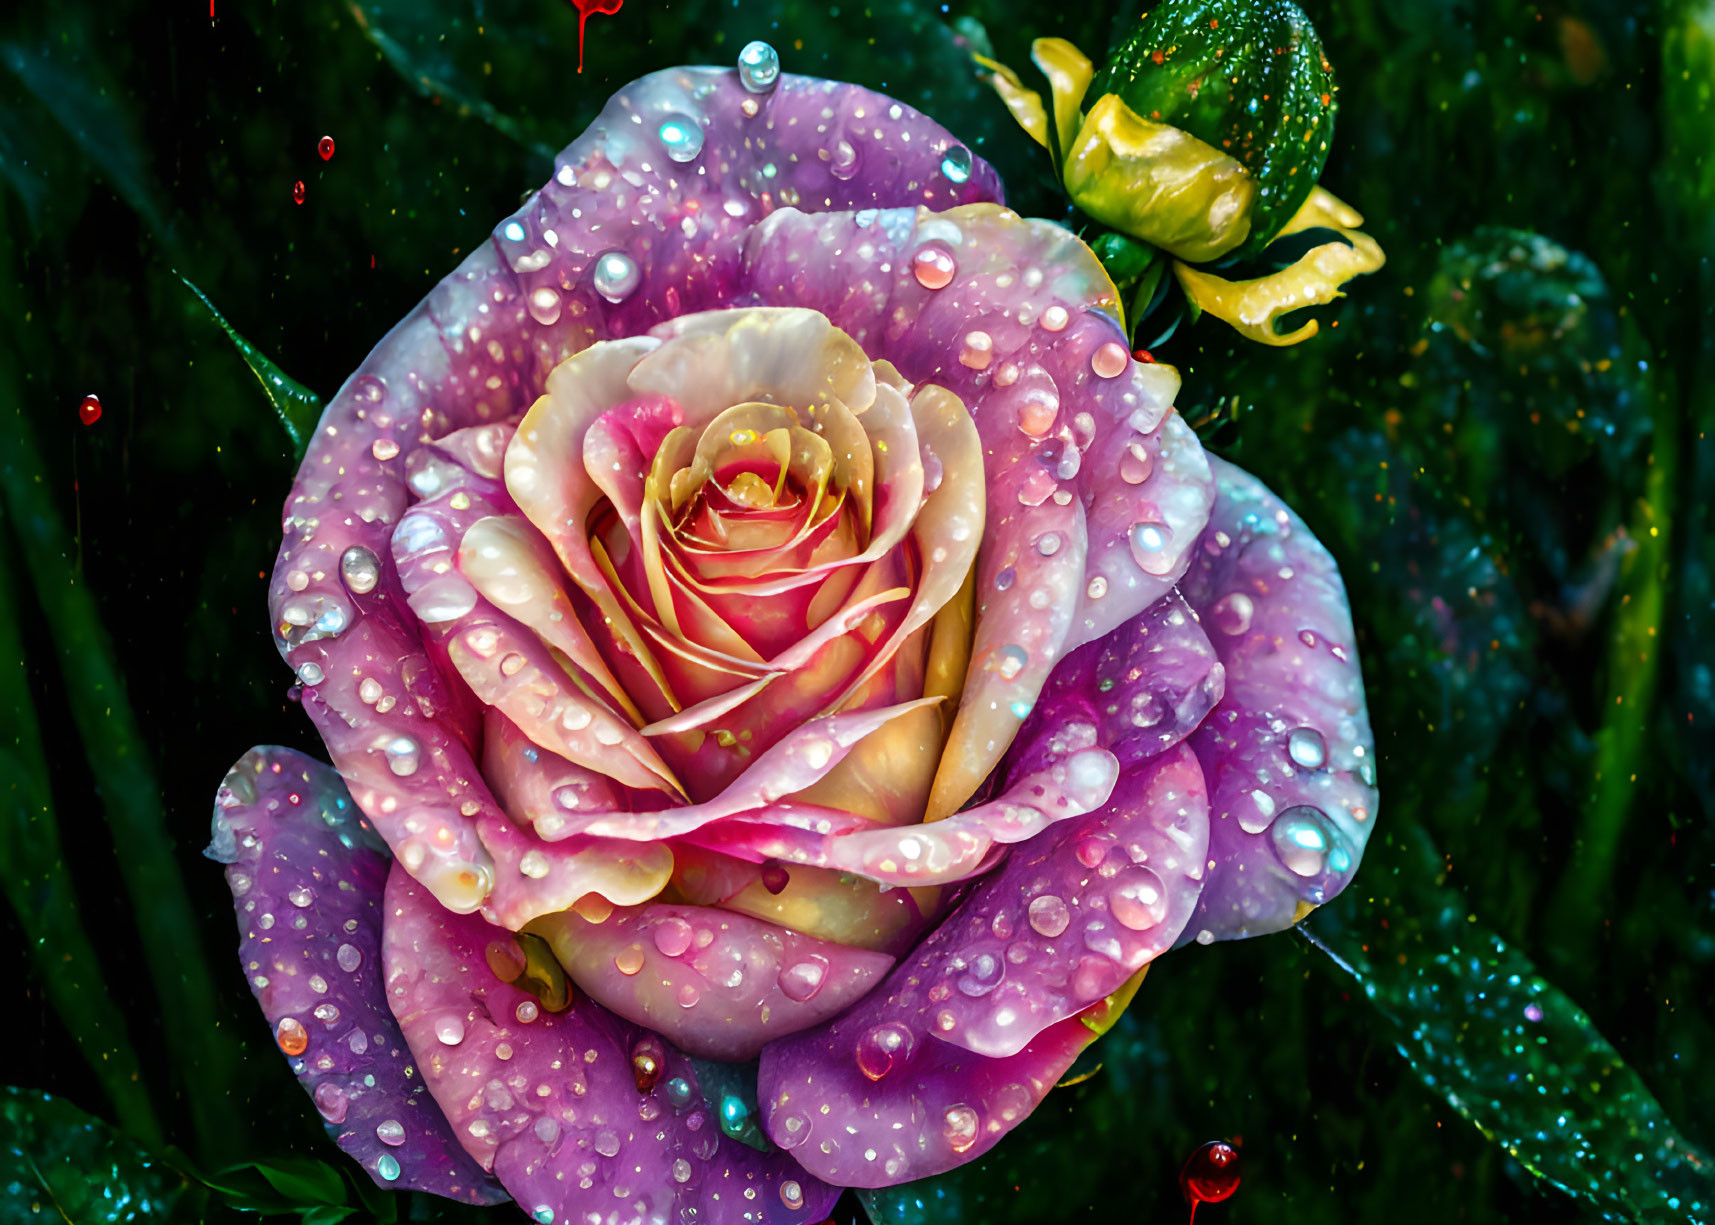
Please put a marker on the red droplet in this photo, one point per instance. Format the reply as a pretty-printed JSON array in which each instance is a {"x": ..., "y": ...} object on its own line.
[
  {"x": 1143, "y": 355},
  {"x": 89, "y": 412},
  {"x": 324, "y": 146},
  {"x": 298, "y": 192},
  {"x": 585, "y": 8},
  {"x": 1210, "y": 1175},
  {"x": 775, "y": 878}
]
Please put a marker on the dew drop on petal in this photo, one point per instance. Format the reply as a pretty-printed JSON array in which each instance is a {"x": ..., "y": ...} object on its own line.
[
  {"x": 803, "y": 979},
  {"x": 673, "y": 936},
  {"x": 616, "y": 276},
  {"x": 1139, "y": 902},
  {"x": 1136, "y": 464},
  {"x": 387, "y": 1166},
  {"x": 311, "y": 674},
  {"x": 1149, "y": 547},
  {"x": 648, "y": 1061},
  {"x": 933, "y": 267},
  {"x": 758, "y": 67},
  {"x": 533, "y": 864},
  {"x": 682, "y": 136},
  {"x": 360, "y": 569},
  {"x": 880, "y": 1047},
  {"x": 384, "y": 449},
  {"x": 792, "y": 1195},
  {"x": 526, "y": 1012},
  {"x": 679, "y": 1093},
  {"x": 956, "y": 163},
  {"x": 390, "y": 1131},
  {"x": 1109, "y": 361},
  {"x": 1232, "y": 613},
  {"x": 349, "y": 957},
  {"x": 1303, "y": 838},
  {"x": 1010, "y": 660},
  {"x": 450, "y": 1030},
  {"x": 959, "y": 1127},
  {"x": 1049, "y": 915},
  {"x": 331, "y": 1101},
  {"x": 301, "y": 897},
  {"x": 689, "y": 995},
  {"x": 1055, "y": 319},
  {"x": 291, "y": 1036},
  {"x": 1307, "y": 748},
  {"x": 403, "y": 756},
  {"x": 628, "y": 961},
  {"x": 1097, "y": 588},
  {"x": 545, "y": 305}
]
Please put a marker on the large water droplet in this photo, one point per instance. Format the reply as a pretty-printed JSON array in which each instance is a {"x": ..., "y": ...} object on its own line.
[
  {"x": 1232, "y": 613},
  {"x": 403, "y": 756},
  {"x": 545, "y": 305},
  {"x": 983, "y": 975},
  {"x": 349, "y": 957},
  {"x": 1010, "y": 660},
  {"x": 758, "y": 67},
  {"x": 1109, "y": 360},
  {"x": 450, "y": 1030},
  {"x": 616, "y": 276},
  {"x": 1304, "y": 839},
  {"x": 802, "y": 980},
  {"x": 933, "y": 267},
  {"x": 673, "y": 936},
  {"x": 360, "y": 569},
  {"x": 390, "y": 1131},
  {"x": 291, "y": 1036},
  {"x": 1307, "y": 748},
  {"x": 648, "y": 1061},
  {"x": 1210, "y": 1175},
  {"x": 956, "y": 163},
  {"x": 843, "y": 160},
  {"x": 331, "y": 1101},
  {"x": 1139, "y": 901},
  {"x": 959, "y": 1127},
  {"x": 881, "y": 1047},
  {"x": 1149, "y": 547},
  {"x": 682, "y": 136},
  {"x": 387, "y": 1165},
  {"x": 1049, "y": 915}
]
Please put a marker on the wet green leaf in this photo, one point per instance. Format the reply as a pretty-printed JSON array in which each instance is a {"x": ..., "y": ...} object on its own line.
[
  {"x": 297, "y": 407},
  {"x": 58, "y": 1163},
  {"x": 1506, "y": 1049}
]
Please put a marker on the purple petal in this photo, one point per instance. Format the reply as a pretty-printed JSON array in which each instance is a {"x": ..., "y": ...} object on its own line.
[
  {"x": 307, "y": 874},
  {"x": 895, "y": 1089},
  {"x": 550, "y": 1102},
  {"x": 476, "y": 353},
  {"x": 718, "y": 985},
  {"x": 1288, "y": 753}
]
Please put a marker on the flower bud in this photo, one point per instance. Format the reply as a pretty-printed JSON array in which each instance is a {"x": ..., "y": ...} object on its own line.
[{"x": 1247, "y": 80}]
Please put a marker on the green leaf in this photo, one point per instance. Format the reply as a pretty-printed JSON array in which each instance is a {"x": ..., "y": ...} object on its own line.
[
  {"x": 1503, "y": 1046},
  {"x": 39, "y": 886},
  {"x": 297, "y": 407},
  {"x": 204, "y": 1055},
  {"x": 56, "y": 1162}
]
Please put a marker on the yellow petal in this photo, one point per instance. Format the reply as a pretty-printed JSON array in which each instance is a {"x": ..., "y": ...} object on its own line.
[
  {"x": 1068, "y": 71},
  {"x": 1155, "y": 182},
  {"x": 1252, "y": 307},
  {"x": 1025, "y": 104}
]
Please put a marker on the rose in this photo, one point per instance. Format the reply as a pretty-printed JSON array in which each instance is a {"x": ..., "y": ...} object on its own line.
[{"x": 635, "y": 582}]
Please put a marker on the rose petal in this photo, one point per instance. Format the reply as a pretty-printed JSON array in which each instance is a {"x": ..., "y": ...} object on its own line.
[
  {"x": 306, "y": 874},
  {"x": 716, "y": 984},
  {"x": 550, "y": 1101},
  {"x": 959, "y": 1044},
  {"x": 1090, "y": 475},
  {"x": 1288, "y": 752},
  {"x": 478, "y": 350}
]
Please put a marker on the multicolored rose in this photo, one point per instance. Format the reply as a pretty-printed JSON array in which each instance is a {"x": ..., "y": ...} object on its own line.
[{"x": 768, "y": 629}]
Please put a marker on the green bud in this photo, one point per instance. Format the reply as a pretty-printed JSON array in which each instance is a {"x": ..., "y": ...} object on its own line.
[{"x": 1247, "y": 77}]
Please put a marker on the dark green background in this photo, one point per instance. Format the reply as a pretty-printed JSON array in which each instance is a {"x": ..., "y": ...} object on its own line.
[{"x": 1503, "y": 440}]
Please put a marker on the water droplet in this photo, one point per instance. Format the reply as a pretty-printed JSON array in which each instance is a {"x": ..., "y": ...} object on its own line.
[
  {"x": 616, "y": 276},
  {"x": 628, "y": 960},
  {"x": 1139, "y": 902},
  {"x": 1005, "y": 579},
  {"x": 758, "y": 67},
  {"x": 1136, "y": 464},
  {"x": 324, "y": 146},
  {"x": 881, "y": 1047},
  {"x": 1533, "y": 1012},
  {"x": 673, "y": 936},
  {"x": 360, "y": 569},
  {"x": 648, "y": 1061},
  {"x": 1055, "y": 319},
  {"x": 387, "y": 1165},
  {"x": 679, "y": 1093},
  {"x": 689, "y": 995},
  {"x": 1307, "y": 748},
  {"x": 775, "y": 877},
  {"x": 681, "y": 1170},
  {"x": 1038, "y": 412},
  {"x": 390, "y": 1132},
  {"x": 959, "y": 1127},
  {"x": 331, "y": 1101},
  {"x": 978, "y": 350},
  {"x": 543, "y": 1213},
  {"x": 327, "y": 1013},
  {"x": 933, "y": 267},
  {"x": 533, "y": 864},
  {"x": 349, "y": 957},
  {"x": 1010, "y": 660},
  {"x": 1098, "y": 587},
  {"x": 1048, "y": 915},
  {"x": 89, "y": 412},
  {"x": 1210, "y": 1175},
  {"x": 301, "y": 897},
  {"x": 956, "y": 163},
  {"x": 802, "y": 980},
  {"x": 984, "y": 975},
  {"x": 526, "y": 1012},
  {"x": 298, "y": 192},
  {"x": 545, "y": 305},
  {"x": 450, "y": 1030},
  {"x": 291, "y": 1036},
  {"x": 792, "y": 1195},
  {"x": 606, "y": 1143},
  {"x": 1049, "y": 543},
  {"x": 1109, "y": 361},
  {"x": 682, "y": 136},
  {"x": 403, "y": 756},
  {"x": 843, "y": 160},
  {"x": 1232, "y": 613},
  {"x": 311, "y": 674},
  {"x": 1303, "y": 838},
  {"x": 1149, "y": 547}
]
